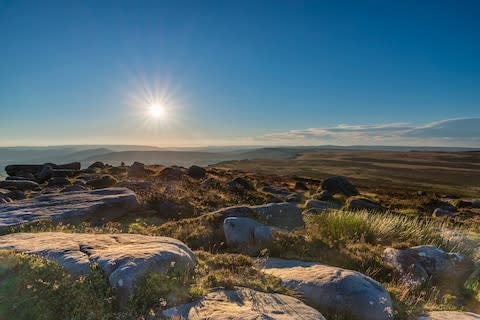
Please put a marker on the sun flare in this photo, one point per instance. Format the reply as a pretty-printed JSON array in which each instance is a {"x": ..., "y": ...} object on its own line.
[{"x": 157, "y": 111}]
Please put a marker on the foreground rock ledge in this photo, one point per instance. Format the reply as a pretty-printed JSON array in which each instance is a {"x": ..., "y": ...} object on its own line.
[
  {"x": 124, "y": 258},
  {"x": 99, "y": 205},
  {"x": 334, "y": 290},
  {"x": 244, "y": 304}
]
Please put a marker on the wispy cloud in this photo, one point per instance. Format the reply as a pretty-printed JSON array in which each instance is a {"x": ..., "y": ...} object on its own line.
[{"x": 460, "y": 131}]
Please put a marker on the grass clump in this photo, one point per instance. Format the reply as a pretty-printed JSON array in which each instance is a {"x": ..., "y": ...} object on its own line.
[{"x": 34, "y": 288}]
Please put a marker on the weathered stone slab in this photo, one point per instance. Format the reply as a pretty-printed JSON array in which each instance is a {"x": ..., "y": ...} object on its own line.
[
  {"x": 124, "y": 258},
  {"x": 334, "y": 290},
  {"x": 22, "y": 185},
  {"x": 14, "y": 169},
  {"x": 244, "y": 304},
  {"x": 97, "y": 205}
]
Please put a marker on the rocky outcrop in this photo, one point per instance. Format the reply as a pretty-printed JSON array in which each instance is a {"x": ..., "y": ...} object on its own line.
[
  {"x": 105, "y": 181},
  {"x": 334, "y": 290},
  {"x": 450, "y": 315},
  {"x": 244, "y": 304},
  {"x": 339, "y": 184},
  {"x": 246, "y": 235},
  {"x": 98, "y": 205},
  {"x": 416, "y": 265},
  {"x": 196, "y": 172},
  {"x": 124, "y": 258},
  {"x": 22, "y": 185},
  {"x": 17, "y": 169}
]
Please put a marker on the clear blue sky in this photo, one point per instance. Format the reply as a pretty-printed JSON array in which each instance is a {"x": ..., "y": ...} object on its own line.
[{"x": 240, "y": 72}]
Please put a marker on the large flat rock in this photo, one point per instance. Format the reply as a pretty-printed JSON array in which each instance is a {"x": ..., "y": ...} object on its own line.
[
  {"x": 97, "y": 205},
  {"x": 124, "y": 258},
  {"x": 334, "y": 290},
  {"x": 244, "y": 304}
]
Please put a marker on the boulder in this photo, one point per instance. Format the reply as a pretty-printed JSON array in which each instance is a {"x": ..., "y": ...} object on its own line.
[
  {"x": 48, "y": 172},
  {"x": 172, "y": 173},
  {"x": 243, "y": 304},
  {"x": 239, "y": 183},
  {"x": 300, "y": 185},
  {"x": 15, "y": 195},
  {"x": 74, "y": 188},
  {"x": 334, "y": 290},
  {"x": 293, "y": 198},
  {"x": 97, "y": 165},
  {"x": 450, "y": 315},
  {"x": 339, "y": 184},
  {"x": 22, "y": 185},
  {"x": 20, "y": 178},
  {"x": 416, "y": 265},
  {"x": 58, "y": 182},
  {"x": 363, "y": 204},
  {"x": 45, "y": 173},
  {"x": 323, "y": 195},
  {"x": 246, "y": 235},
  {"x": 282, "y": 215},
  {"x": 321, "y": 205},
  {"x": 275, "y": 191},
  {"x": 98, "y": 205},
  {"x": 105, "y": 181},
  {"x": 210, "y": 183},
  {"x": 439, "y": 212},
  {"x": 125, "y": 258},
  {"x": 137, "y": 170},
  {"x": 476, "y": 203},
  {"x": 196, "y": 172},
  {"x": 14, "y": 169}
]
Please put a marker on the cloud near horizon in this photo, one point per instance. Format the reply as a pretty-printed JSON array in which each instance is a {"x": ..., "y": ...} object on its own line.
[{"x": 449, "y": 132}]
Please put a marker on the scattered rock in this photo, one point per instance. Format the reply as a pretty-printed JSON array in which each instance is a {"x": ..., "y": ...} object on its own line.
[
  {"x": 416, "y": 265},
  {"x": 74, "y": 188},
  {"x": 105, "y": 181},
  {"x": 124, "y": 258},
  {"x": 275, "y": 191},
  {"x": 22, "y": 185},
  {"x": 58, "y": 182},
  {"x": 362, "y": 203},
  {"x": 334, "y": 290},
  {"x": 476, "y": 203},
  {"x": 138, "y": 170},
  {"x": 439, "y": 212},
  {"x": 96, "y": 205},
  {"x": 239, "y": 183},
  {"x": 246, "y": 235},
  {"x": 15, "y": 169},
  {"x": 210, "y": 183},
  {"x": 244, "y": 304},
  {"x": 339, "y": 184},
  {"x": 294, "y": 198},
  {"x": 321, "y": 205},
  {"x": 172, "y": 173},
  {"x": 282, "y": 215},
  {"x": 16, "y": 195},
  {"x": 300, "y": 185},
  {"x": 324, "y": 195},
  {"x": 97, "y": 165},
  {"x": 450, "y": 315},
  {"x": 116, "y": 171},
  {"x": 196, "y": 172},
  {"x": 20, "y": 178}
]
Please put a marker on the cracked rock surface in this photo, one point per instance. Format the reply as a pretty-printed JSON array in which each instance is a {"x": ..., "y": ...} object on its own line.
[
  {"x": 124, "y": 258},
  {"x": 98, "y": 204}
]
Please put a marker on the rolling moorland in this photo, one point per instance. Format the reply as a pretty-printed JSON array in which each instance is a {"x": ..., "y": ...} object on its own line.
[{"x": 277, "y": 233}]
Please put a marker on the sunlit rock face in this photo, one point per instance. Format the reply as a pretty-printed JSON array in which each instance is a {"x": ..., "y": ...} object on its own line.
[
  {"x": 125, "y": 258},
  {"x": 98, "y": 205}
]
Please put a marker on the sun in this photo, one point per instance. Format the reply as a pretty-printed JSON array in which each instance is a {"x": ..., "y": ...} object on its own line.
[{"x": 157, "y": 111}]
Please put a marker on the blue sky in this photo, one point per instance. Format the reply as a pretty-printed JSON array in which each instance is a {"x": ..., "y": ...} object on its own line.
[{"x": 240, "y": 72}]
